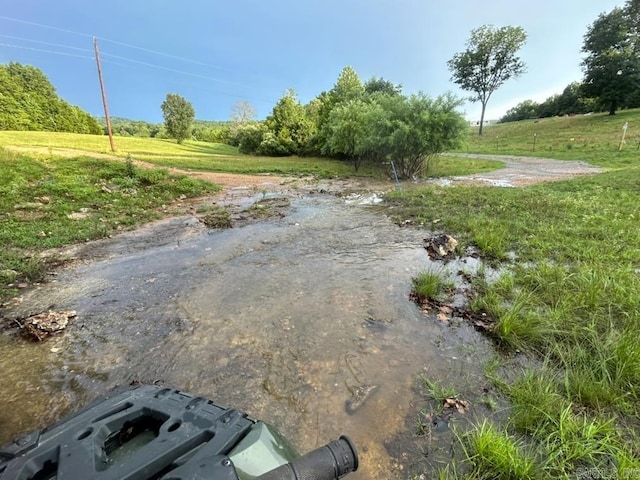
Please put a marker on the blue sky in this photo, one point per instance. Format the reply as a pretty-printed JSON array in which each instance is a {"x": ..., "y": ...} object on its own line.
[{"x": 215, "y": 53}]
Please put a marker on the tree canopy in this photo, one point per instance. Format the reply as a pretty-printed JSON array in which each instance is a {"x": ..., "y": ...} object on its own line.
[
  {"x": 178, "y": 116},
  {"x": 371, "y": 123},
  {"x": 489, "y": 61},
  {"x": 28, "y": 101},
  {"x": 611, "y": 66}
]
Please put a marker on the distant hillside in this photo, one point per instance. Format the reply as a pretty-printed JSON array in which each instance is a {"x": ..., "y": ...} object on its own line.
[
  {"x": 203, "y": 130},
  {"x": 124, "y": 121},
  {"x": 28, "y": 101}
]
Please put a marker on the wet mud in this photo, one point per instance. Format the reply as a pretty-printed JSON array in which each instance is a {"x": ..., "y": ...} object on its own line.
[{"x": 301, "y": 318}]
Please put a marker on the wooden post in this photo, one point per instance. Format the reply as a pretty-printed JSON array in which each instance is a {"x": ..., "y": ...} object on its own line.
[{"x": 104, "y": 95}]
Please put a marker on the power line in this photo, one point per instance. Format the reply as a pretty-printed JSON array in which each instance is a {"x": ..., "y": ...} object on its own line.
[
  {"x": 45, "y": 43},
  {"x": 26, "y": 22},
  {"x": 128, "y": 45},
  {"x": 153, "y": 65},
  {"x": 46, "y": 51}
]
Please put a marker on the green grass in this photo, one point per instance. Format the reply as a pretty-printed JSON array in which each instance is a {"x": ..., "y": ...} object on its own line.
[
  {"x": 190, "y": 155},
  {"x": 431, "y": 286},
  {"x": 569, "y": 297},
  {"x": 52, "y": 202},
  {"x": 595, "y": 138},
  {"x": 451, "y": 166}
]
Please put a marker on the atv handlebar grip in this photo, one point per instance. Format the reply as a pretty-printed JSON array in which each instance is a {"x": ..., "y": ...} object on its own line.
[{"x": 329, "y": 462}]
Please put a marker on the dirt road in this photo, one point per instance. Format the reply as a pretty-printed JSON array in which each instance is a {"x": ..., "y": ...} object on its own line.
[{"x": 522, "y": 171}]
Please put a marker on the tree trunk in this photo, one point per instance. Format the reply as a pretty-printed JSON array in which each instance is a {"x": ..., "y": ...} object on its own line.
[
  {"x": 613, "y": 107},
  {"x": 484, "y": 106}
]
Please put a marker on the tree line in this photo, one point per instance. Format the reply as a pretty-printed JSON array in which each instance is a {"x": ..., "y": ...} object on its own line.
[
  {"x": 611, "y": 68},
  {"x": 28, "y": 101},
  {"x": 371, "y": 122}
]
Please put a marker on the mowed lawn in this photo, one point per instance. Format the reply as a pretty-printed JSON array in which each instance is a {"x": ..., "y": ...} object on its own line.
[{"x": 191, "y": 155}]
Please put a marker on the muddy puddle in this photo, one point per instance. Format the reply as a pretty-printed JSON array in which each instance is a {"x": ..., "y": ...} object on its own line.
[{"x": 303, "y": 321}]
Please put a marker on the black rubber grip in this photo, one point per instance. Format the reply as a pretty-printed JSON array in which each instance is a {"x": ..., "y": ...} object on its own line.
[{"x": 330, "y": 462}]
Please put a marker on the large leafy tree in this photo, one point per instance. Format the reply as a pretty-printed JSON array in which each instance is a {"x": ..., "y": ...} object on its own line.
[
  {"x": 352, "y": 131},
  {"x": 489, "y": 60},
  {"x": 611, "y": 66},
  {"x": 178, "y": 116},
  {"x": 419, "y": 128},
  {"x": 289, "y": 127},
  {"x": 28, "y": 101}
]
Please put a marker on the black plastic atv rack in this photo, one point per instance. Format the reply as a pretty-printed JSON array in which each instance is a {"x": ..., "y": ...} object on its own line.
[{"x": 147, "y": 432}]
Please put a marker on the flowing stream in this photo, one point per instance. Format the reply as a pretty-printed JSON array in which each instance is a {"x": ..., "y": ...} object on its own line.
[{"x": 302, "y": 321}]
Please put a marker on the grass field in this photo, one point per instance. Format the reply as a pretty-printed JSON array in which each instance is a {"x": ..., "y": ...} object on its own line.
[
  {"x": 595, "y": 138},
  {"x": 570, "y": 301},
  {"x": 191, "y": 155},
  {"x": 51, "y": 202},
  {"x": 217, "y": 157}
]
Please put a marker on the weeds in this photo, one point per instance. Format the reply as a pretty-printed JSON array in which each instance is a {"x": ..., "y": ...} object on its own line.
[
  {"x": 571, "y": 299},
  {"x": 47, "y": 203},
  {"x": 431, "y": 286},
  {"x": 437, "y": 391}
]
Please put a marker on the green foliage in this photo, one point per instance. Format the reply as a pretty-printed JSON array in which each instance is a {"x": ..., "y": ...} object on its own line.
[
  {"x": 249, "y": 137},
  {"x": 382, "y": 86},
  {"x": 352, "y": 131},
  {"x": 419, "y": 128},
  {"x": 572, "y": 300},
  {"x": 499, "y": 456},
  {"x": 51, "y": 202},
  {"x": 289, "y": 127},
  {"x": 28, "y": 101},
  {"x": 430, "y": 285},
  {"x": 347, "y": 87},
  {"x": 178, "y": 116},
  {"x": 489, "y": 61},
  {"x": 572, "y": 101},
  {"x": 611, "y": 64},
  {"x": 211, "y": 157}
]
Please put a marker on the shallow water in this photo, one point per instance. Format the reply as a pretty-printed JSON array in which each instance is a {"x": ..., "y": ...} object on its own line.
[{"x": 291, "y": 320}]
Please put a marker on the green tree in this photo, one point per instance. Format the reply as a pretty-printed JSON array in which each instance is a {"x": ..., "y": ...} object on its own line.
[
  {"x": 522, "y": 111},
  {"x": 348, "y": 87},
  {"x": 488, "y": 62},
  {"x": 28, "y": 101},
  {"x": 419, "y": 128},
  {"x": 611, "y": 66},
  {"x": 178, "y": 116},
  {"x": 353, "y": 131},
  {"x": 289, "y": 126},
  {"x": 380, "y": 85}
]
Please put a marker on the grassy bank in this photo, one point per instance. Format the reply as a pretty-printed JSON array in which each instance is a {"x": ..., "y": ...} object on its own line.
[
  {"x": 51, "y": 202},
  {"x": 215, "y": 157},
  {"x": 595, "y": 138},
  {"x": 191, "y": 155},
  {"x": 571, "y": 299}
]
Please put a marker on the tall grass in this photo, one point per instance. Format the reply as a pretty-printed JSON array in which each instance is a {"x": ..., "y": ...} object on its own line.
[{"x": 570, "y": 299}]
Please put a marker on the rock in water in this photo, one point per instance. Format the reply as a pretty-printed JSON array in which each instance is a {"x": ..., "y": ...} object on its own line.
[
  {"x": 440, "y": 247},
  {"x": 46, "y": 324},
  {"x": 359, "y": 395}
]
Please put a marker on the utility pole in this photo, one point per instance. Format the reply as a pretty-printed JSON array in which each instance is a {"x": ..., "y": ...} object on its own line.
[{"x": 104, "y": 95}]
